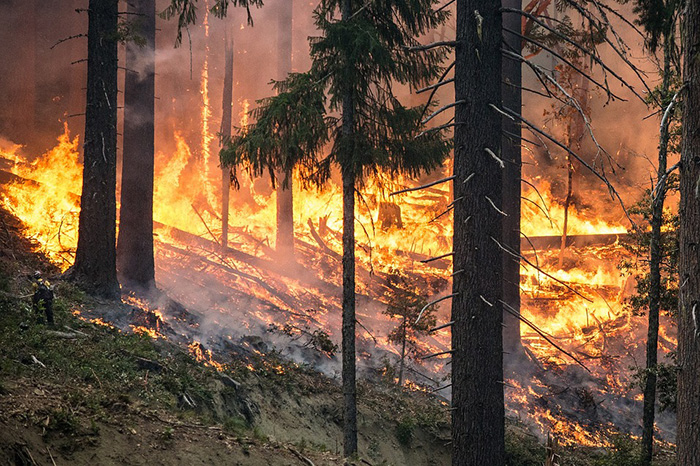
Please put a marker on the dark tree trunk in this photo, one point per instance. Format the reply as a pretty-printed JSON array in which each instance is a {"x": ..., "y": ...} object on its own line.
[
  {"x": 477, "y": 311},
  {"x": 285, "y": 202},
  {"x": 226, "y": 122},
  {"x": 512, "y": 98},
  {"x": 348, "y": 333},
  {"x": 95, "y": 259},
  {"x": 688, "y": 411},
  {"x": 656, "y": 256},
  {"x": 135, "y": 246}
]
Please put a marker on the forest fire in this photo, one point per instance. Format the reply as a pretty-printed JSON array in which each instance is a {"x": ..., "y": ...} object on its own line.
[{"x": 580, "y": 306}]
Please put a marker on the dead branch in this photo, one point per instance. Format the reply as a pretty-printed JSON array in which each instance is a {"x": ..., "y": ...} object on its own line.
[
  {"x": 425, "y": 261},
  {"x": 534, "y": 327},
  {"x": 442, "y": 43},
  {"x": 66, "y": 39},
  {"x": 420, "y": 314},
  {"x": 613, "y": 192},
  {"x": 569, "y": 63},
  {"x": 432, "y": 94},
  {"x": 442, "y": 109},
  {"x": 320, "y": 241},
  {"x": 449, "y": 124},
  {"x": 521, "y": 257},
  {"x": 440, "y": 327},
  {"x": 440, "y": 353},
  {"x": 591, "y": 53},
  {"x": 435, "y": 86},
  {"x": 418, "y": 188},
  {"x": 303, "y": 458}
]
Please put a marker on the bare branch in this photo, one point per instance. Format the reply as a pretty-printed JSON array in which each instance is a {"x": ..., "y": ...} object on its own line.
[
  {"x": 613, "y": 192},
  {"x": 442, "y": 43},
  {"x": 67, "y": 39},
  {"x": 408, "y": 190},
  {"x": 431, "y": 303},
  {"x": 520, "y": 256},
  {"x": 440, "y": 327},
  {"x": 436, "y": 85},
  {"x": 442, "y": 109},
  {"x": 425, "y": 261},
  {"x": 534, "y": 327}
]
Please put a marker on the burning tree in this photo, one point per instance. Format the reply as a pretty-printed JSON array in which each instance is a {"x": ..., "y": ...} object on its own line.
[
  {"x": 364, "y": 51},
  {"x": 95, "y": 264}
]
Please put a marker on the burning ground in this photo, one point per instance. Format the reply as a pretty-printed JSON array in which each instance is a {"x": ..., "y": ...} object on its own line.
[{"x": 247, "y": 300}]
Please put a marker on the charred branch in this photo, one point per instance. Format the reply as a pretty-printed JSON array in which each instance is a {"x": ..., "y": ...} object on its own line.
[{"x": 428, "y": 185}]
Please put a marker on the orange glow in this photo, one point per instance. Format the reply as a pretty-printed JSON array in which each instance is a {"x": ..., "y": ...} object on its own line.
[{"x": 50, "y": 206}]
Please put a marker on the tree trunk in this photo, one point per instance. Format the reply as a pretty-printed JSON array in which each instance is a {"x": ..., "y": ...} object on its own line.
[
  {"x": 226, "y": 122},
  {"x": 404, "y": 331},
  {"x": 477, "y": 311},
  {"x": 349, "y": 386},
  {"x": 95, "y": 259},
  {"x": 688, "y": 411},
  {"x": 512, "y": 98},
  {"x": 135, "y": 246},
  {"x": 348, "y": 333},
  {"x": 285, "y": 202},
  {"x": 567, "y": 203},
  {"x": 656, "y": 256}
]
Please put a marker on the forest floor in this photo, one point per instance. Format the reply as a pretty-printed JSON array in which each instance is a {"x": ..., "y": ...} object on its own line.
[{"x": 84, "y": 392}]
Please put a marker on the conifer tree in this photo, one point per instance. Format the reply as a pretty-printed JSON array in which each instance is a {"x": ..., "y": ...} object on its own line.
[
  {"x": 659, "y": 19},
  {"x": 364, "y": 52},
  {"x": 135, "y": 245},
  {"x": 95, "y": 258},
  {"x": 478, "y": 417},
  {"x": 688, "y": 408}
]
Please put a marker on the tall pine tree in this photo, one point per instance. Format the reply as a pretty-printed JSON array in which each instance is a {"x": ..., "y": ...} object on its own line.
[
  {"x": 95, "y": 265},
  {"x": 363, "y": 54},
  {"x": 478, "y": 417},
  {"x": 688, "y": 409},
  {"x": 135, "y": 246}
]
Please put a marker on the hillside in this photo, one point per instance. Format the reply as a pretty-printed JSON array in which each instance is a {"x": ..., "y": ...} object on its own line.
[{"x": 85, "y": 392}]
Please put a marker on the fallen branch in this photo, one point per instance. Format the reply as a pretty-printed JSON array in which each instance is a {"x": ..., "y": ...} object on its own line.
[
  {"x": 321, "y": 243},
  {"x": 303, "y": 458}
]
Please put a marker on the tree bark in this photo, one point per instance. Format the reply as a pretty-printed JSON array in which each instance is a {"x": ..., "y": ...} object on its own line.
[
  {"x": 285, "y": 203},
  {"x": 348, "y": 332},
  {"x": 477, "y": 338},
  {"x": 512, "y": 156},
  {"x": 688, "y": 410},
  {"x": 135, "y": 246},
  {"x": 95, "y": 265},
  {"x": 226, "y": 122},
  {"x": 656, "y": 256}
]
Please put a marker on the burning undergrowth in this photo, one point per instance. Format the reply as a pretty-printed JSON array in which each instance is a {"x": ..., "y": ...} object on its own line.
[{"x": 247, "y": 301}]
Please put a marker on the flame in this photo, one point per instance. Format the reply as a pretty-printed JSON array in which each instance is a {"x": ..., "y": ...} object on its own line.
[
  {"x": 580, "y": 306},
  {"x": 50, "y": 206},
  {"x": 207, "y": 136},
  {"x": 204, "y": 356}
]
